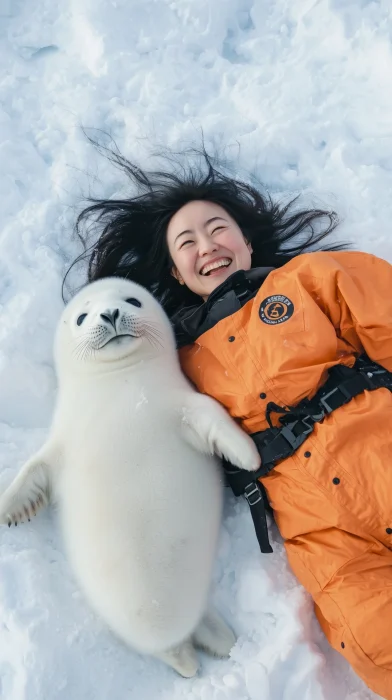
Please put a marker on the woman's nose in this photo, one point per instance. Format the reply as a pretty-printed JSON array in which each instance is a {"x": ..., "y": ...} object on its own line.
[{"x": 207, "y": 245}]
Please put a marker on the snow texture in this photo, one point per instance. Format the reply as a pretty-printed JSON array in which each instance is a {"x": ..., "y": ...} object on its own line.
[{"x": 305, "y": 89}]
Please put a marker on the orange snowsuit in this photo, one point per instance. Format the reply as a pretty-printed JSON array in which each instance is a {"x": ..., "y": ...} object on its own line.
[{"x": 332, "y": 500}]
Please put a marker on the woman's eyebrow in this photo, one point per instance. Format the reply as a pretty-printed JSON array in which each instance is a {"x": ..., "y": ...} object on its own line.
[
  {"x": 214, "y": 218},
  {"x": 182, "y": 233}
]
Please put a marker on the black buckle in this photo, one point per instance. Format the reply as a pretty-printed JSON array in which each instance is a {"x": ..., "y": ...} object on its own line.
[
  {"x": 250, "y": 490},
  {"x": 296, "y": 441},
  {"x": 327, "y": 408},
  {"x": 315, "y": 418},
  {"x": 347, "y": 395}
]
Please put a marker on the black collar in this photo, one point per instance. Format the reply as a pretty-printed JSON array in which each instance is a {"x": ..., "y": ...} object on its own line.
[{"x": 191, "y": 322}]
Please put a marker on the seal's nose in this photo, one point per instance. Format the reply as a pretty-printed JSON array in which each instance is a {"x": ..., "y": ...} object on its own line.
[{"x": 111, "y": 316}]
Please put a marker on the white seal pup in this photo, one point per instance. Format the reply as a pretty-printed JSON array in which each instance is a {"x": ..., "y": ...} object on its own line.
[{"x": 129, "y": 461}]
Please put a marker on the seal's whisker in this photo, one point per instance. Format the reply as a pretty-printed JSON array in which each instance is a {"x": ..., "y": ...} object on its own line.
[
  {"x": 80, "y": 348},
  {"x": 84, "y": 352},
  {"x": 152, "y": 333},
  {"x": 155, "y": 342},
  {"x": 148, "y": 323},
  {"x": 90, "y": 352},
  {"x": 80, "y": 343}
]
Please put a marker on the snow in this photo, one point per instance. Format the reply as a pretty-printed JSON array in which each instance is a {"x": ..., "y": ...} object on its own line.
[{"x": 301, "y": 93}]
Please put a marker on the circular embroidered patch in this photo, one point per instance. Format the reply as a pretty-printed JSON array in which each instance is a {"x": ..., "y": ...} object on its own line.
[{"x": 276, "y": 309}]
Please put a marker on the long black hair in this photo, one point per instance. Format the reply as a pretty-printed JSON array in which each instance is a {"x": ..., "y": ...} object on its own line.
[{"x": 130, "y": 234}]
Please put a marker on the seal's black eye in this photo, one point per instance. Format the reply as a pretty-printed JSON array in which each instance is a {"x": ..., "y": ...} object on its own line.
[
  {"x": 81, "y": 319},
  {"x": 134, "y": 302}
]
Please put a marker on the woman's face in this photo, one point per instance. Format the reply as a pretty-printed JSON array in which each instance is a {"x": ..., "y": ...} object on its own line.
[{"x": 206, "y": 246}]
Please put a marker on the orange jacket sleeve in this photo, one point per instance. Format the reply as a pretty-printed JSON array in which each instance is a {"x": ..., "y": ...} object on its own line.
[{"x": 355, "y": 291}]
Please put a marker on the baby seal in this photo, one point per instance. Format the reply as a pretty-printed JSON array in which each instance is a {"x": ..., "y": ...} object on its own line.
[{"x": 129, "y": 459}]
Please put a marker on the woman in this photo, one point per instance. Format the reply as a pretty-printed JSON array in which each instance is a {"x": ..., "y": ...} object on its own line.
[{"x": 273, "y": 329}]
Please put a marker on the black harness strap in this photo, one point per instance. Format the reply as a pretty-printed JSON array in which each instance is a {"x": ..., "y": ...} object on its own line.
[
  {"x": 278, "y": 443},
  {"x": 243, "y": 483}
]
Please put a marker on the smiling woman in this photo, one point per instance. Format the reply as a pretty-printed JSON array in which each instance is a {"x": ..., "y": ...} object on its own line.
[{"x": 210, "y": 248}]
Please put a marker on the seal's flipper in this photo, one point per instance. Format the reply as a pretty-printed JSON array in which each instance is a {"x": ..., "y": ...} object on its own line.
[
  {"x": 183, "y": 659},
  {"x": 209, "y": 428},
  {"x": 28, "y": 493},
  {"x": 214, "y": 636}
]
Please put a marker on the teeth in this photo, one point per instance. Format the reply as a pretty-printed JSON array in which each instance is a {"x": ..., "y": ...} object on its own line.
[{"x": 215, "y": 265}]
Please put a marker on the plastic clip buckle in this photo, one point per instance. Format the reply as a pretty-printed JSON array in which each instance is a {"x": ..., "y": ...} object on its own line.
[
  {"x": 250, "y": 490},
  {"x": 293, "y": 440},
  {"x": 324, "y": 402}
]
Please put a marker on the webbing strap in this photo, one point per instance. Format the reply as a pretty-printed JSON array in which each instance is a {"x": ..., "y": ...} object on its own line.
[
  {"x": 342, "y": 385},
  {"x": 243, "y": 483},
  {"x": 277, "y": 443}
]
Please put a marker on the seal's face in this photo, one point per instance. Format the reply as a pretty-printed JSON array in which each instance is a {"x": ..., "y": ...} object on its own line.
[{"x": 111, "y": 320}]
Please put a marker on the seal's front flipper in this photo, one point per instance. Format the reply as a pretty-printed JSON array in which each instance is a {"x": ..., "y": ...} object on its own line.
[
  {"x": 28, "y": 493},
  {"x": 209, "y": 428}
]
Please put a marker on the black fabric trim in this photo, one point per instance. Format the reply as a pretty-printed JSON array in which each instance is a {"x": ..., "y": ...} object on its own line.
[{"x": 190, "y": 323}]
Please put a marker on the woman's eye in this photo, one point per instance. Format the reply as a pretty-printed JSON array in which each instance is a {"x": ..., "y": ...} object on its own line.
[
  {"x": 218, "y": 228},
  {"x": 80, "y": 319},
  {"x": 184, "y": 243},
  {"x": 134, "y": 302}
]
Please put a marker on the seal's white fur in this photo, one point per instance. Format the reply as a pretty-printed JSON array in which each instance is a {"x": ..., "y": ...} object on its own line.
[{"x": 129, "y": 459}]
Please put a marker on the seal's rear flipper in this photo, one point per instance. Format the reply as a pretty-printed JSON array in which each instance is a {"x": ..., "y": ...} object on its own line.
[
  {"x": 28, "y": 493},
  {"x": 214, "y": 636},
  {"x": 182, "y": 658}
]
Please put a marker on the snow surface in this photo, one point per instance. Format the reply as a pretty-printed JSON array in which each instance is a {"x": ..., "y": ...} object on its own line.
[{"x": 305, "y": 88}]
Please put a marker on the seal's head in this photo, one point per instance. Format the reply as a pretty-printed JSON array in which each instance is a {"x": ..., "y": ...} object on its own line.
[{"x": 113, "y": 321}]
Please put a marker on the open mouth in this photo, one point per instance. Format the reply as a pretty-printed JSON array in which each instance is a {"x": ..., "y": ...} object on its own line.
[{"x": 215, "y": 267}]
